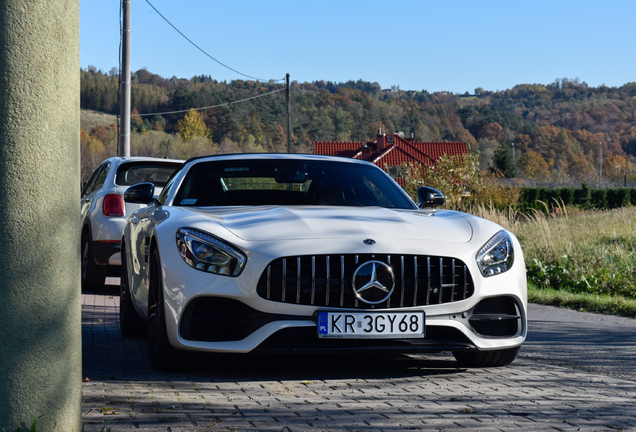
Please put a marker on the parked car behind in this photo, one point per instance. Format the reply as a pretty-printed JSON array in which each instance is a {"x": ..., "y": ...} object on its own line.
[{"x": 104, "y": 213}]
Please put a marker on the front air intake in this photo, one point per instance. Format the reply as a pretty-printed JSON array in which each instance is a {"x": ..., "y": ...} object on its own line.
[{"x": 496, "y": 317}]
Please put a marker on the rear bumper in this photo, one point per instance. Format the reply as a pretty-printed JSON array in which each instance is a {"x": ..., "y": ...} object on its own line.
[{"x": 107, "y": 252}]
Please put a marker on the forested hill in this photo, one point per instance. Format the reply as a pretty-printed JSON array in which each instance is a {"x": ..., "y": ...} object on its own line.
[{"x": 556, "y": 128}]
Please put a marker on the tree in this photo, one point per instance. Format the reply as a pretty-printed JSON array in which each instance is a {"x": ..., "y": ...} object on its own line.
[
  {"x": 457, "y": 177},
  {"x": 100, "y": 133},
  {"x": 492, "y": 131},
  {"x": 534, "y": 166},
  {"x": 158, "y": 122},
  {"x": 580, "y": 168},
  {"x": 614, "y": 167},
  {"x": 503, "y": 161},
  {"x": 192, "y": 125}
]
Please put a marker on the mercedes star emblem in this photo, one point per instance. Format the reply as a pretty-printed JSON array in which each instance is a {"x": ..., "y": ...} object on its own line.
[{"x": 373, "y": 282}]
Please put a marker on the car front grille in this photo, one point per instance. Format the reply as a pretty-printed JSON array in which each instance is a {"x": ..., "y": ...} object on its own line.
[{"x": 326, "y": 280}]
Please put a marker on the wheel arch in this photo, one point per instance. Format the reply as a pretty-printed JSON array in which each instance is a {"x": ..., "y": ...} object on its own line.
[{"x": 86, "y": 230}]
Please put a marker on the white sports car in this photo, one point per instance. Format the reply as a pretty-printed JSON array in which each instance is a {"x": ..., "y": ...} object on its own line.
[{"x": 300, "y": 252}]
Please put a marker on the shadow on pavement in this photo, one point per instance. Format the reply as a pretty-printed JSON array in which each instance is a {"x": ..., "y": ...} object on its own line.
[{"x": 108, "y": 355}]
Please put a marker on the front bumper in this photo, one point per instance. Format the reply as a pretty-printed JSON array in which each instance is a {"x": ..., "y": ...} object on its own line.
[{"x": 228, "y": 325}]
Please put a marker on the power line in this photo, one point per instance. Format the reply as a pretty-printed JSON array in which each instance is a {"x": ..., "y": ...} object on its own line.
[
  {"x": 200, "y": 49},
  {"x": 210, "y": 107}
]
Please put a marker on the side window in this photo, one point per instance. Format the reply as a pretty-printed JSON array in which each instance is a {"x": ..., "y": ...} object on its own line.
[
  {"x": 90, "y": 184},
  {"x": 101, "y": 178}
]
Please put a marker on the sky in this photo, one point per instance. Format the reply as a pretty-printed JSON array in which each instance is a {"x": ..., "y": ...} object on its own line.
[{"x": 441, "y": 45}]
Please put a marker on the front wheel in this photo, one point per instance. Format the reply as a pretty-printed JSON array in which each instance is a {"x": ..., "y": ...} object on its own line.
[
  {"x": 481, "y": 359},
  {"x": 161, "y": 354}
]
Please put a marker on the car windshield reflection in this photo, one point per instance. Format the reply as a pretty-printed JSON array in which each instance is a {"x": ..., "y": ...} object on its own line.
[{"x": 289, "y": 182}]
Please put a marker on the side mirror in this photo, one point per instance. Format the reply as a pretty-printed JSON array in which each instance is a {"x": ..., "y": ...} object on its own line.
[
  {"x": 142, "y": 193},
  {"x": 429, "y": 197}
]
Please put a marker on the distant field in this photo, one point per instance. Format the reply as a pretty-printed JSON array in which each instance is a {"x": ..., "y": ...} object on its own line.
[{"x": 89, "y": 119}]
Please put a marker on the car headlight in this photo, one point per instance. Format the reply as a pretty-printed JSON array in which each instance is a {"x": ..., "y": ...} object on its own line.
[
  {"x": 497, "y": 255},
  {"x": 207, "y": 253}
]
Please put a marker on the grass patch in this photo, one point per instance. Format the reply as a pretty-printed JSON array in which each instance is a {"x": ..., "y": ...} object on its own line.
[
  {"x": 89, "y": 119},
  {"x": 582, "y": 302},
  {"x": 582, "y": 260}
]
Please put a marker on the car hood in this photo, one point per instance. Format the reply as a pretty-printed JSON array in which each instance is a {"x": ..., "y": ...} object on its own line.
[{"x": 297, "y": 223}]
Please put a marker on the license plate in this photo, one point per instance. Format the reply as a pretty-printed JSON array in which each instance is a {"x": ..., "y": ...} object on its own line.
[{"x": 371, "y": 325}]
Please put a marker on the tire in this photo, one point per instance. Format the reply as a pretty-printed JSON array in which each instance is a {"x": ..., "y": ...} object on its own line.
[
  {"x": 130, "y": 323},
  {"x": 162, "y": 356},
  {"x": 484, "y": 359},
  {"x": 93, "y": 275}
]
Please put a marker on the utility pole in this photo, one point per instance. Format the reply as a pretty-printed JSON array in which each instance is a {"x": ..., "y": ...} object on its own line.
[
  {"x": 124, "y": 82},
  {"x": 290, "y": 148}
]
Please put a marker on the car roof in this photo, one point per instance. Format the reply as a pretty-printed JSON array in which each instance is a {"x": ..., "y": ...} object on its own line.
[
  {"x": 277, "y": 156},
  {"x": 121, "y": 160}
]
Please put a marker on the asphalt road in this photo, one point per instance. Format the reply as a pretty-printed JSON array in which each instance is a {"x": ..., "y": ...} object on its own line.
[{"x": 599, "y": 344}]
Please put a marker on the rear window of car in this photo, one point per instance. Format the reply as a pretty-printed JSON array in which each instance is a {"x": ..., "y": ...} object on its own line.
[
  {"x": 288, "y": 182},
  {"x": 156, "y": 173}
]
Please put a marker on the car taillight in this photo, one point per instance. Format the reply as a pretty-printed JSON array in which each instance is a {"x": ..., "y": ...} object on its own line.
[{"x": 113, "y": 205}]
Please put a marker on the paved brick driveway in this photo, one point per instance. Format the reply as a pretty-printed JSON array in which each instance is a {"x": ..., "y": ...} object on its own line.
[{"x": 332, "y": 393}]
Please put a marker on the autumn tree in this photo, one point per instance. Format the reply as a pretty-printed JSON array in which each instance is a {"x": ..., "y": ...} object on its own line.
[
  {"x": 580, "y": 167},
  {"x": 158, "y": 122},
  {"x": 492, "y": 131},
  {"x": 614, "y": 167},
  {"x": 534, "y": 166},
  {"x": 192, "y": 125},
  {"x": 100, "y": 133},
  {"x": 457, "y": 177}
]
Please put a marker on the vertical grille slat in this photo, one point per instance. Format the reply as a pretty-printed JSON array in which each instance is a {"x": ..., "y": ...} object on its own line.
[
  {"x": 441, "y": 280},
  {"x": 298, "y": 280},
  {"x": 415, "y": 277},
  {"x": 403, "y": 281},
  {"x": 342, "y": 280},
  {"x": 313, "y": 280},
  {"x": 327, "y": 281},
  {"x": 357, "y": 261},
  {"x": 420, "y": 280},
  {"x": 284, "y": 276},
  {"x": 428, "y": 284},
  {"x": 465, "y": 283},
  {"x": 453, "y": 285}
]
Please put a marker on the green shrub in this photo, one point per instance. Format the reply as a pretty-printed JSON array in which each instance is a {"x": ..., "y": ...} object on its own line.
[
  {"x": 583, "y": 196},
  {"x": 566, "y": 195},
  {"x": 599, "y": 198}
]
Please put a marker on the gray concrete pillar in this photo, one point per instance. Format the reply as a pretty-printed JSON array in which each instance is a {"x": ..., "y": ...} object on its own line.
[{"x": 40, "y": 303}]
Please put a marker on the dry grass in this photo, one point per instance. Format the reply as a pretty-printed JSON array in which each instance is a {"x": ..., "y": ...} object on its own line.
[
  {"x": 89, "y": 119},
  {"x": 581, "y": 259}
]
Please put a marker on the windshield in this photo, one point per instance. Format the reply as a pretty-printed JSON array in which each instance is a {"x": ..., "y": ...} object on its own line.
[
  {"x": 288, "y": 182},
  {"x": 156, "y": 173}
]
